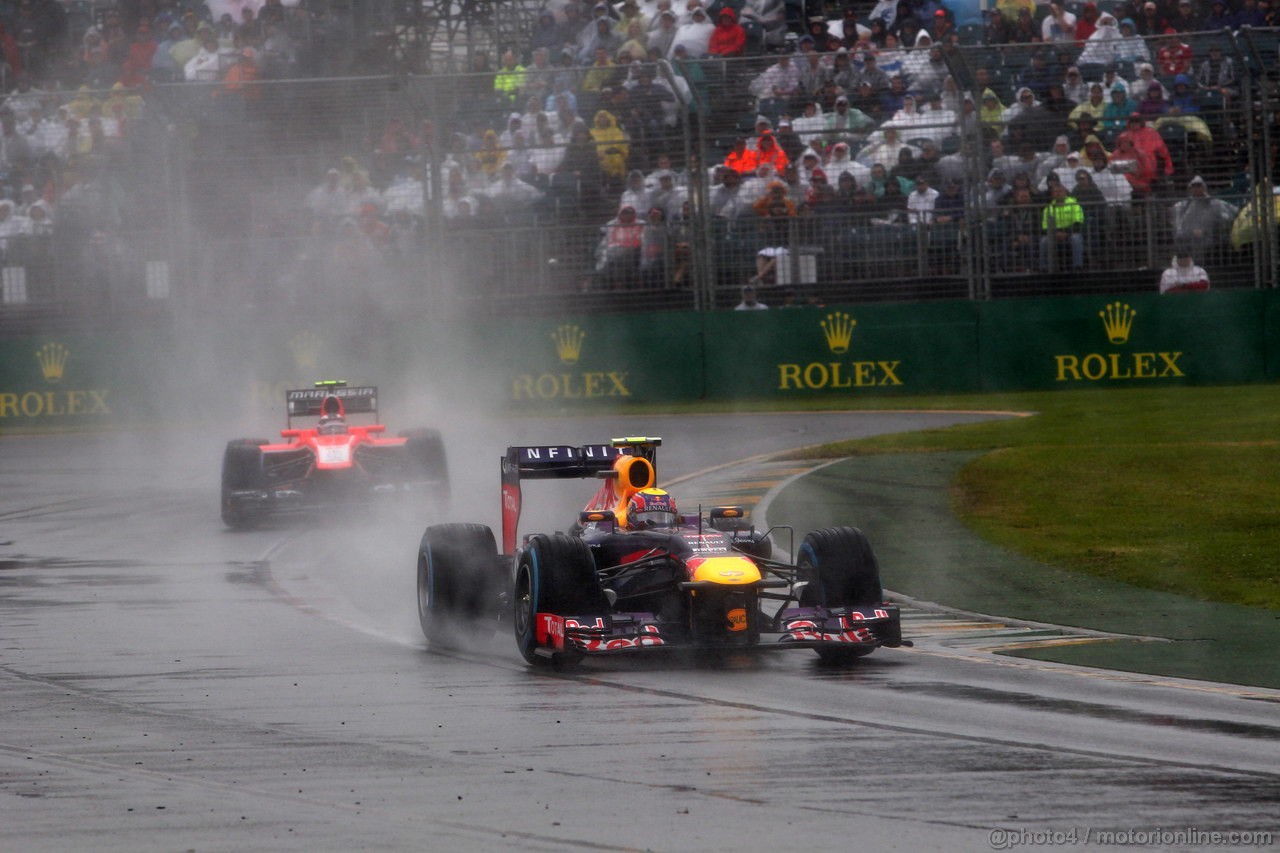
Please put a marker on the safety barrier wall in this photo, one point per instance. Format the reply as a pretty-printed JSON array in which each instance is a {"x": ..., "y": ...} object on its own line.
[
  {"x": 568, "y": 363},
  {"x": 843, "y": 351},
  {"x": 1212, "y": 338},
  {"x": 80, "y": 381}
]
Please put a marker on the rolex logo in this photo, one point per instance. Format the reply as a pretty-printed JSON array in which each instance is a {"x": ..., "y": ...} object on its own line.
[
  {"x": 838, "y": 328},
  {"x": 305, "y": 347},
  {"x": 1117, "y": 319},
  {"x": 53, "y": 361},
  {"x": 568, "y": 341}
]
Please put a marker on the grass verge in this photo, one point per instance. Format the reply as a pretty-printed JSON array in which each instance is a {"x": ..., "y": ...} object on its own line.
[{"x": 1176, "y": 490}]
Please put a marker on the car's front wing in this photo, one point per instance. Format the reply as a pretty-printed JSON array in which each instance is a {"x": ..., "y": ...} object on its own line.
[{"x": 798, "y": 627}]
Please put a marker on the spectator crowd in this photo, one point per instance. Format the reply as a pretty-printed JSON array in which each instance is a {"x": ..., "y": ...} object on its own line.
[
  {"x": 866, "y": 141},
  {"x": 878, "y": 142},
  {"x": 76, "y": 171}
]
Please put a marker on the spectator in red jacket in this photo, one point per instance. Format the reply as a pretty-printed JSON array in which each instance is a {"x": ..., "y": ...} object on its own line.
[
  {"x": 1174, "y": 56},
  {"x": 11, "y": 52},
  {"x": 1087, "y": 22},
  {"x": 136, "y": 69},
  {"x": 729, "y": 38}
]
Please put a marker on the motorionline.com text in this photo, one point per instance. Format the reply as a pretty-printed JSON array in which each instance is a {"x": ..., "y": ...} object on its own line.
[{"x": 1007, "y": 839}]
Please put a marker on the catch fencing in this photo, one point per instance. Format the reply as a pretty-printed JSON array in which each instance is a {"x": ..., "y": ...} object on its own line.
[{"x": 200, "y": 196}]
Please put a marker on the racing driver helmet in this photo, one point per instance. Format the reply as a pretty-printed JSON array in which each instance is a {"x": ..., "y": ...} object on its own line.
[
  {"x": 651, "y": 509},
  {"x": 332, "y": 416}
]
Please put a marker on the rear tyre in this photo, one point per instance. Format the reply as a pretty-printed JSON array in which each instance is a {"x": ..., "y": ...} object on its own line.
[
  {"x": 458, "y": 584},
  {"x": 842, "y": 571},
  {"x": 425, "y": 449},
  {"x": 241, "y": 471},
  {"x": 555, "y": 574}
]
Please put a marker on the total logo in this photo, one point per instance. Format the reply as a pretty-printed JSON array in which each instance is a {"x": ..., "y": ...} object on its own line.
[
  {"x": 834, "y": 375},
  {"x": 1117, "y": 320}
]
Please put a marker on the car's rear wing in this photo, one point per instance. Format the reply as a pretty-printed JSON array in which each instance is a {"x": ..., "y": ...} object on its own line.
[
  {"x": 563, "y": 462},
  {"x": 307, "y": 402}
]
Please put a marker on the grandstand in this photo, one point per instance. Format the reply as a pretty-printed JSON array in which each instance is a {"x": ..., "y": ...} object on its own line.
[{"x": 160, "y": 160}]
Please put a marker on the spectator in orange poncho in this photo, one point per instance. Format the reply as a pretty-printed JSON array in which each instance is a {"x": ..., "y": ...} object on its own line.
[
  {"x": 741, "y": 159},
  {"x": 1138, "y": 168},
  {"x": 1149, "y": 141},
  {"x": 243, "y": 74},
  {"x": 769, "y": 151}
]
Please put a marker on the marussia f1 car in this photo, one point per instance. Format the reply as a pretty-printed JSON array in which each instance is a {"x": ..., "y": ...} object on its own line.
[
  {"x": 330, "y": 462},
  {"x": 633, "y": 575}
]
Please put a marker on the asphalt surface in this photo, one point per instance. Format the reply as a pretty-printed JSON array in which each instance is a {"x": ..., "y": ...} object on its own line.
[{"x": 166, "y": 684}]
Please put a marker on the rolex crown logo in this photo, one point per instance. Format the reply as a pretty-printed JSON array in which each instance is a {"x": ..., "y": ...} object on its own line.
[
  {"x": 568, "y": 340},
  {"x": 53, "y": 361},
  {"x": 838, "y": 328},
  {"x": 1117, "y": 319},
  {"x": 305, "y": 347}
]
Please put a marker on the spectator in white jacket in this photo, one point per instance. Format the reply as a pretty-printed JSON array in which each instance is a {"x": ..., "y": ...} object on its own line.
[{"x": 206, "y": 65}]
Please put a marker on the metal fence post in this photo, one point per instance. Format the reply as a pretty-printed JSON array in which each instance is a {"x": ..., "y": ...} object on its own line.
[{"x": 1262, "y": 165}]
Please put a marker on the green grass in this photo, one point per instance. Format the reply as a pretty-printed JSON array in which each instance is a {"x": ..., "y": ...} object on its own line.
[{"x": 1175, "y": 490}]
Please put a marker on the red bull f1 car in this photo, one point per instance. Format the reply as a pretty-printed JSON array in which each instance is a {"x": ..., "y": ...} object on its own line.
[
  {"x": 635, "y": 575},
  {"x": 329, "y": 461}
]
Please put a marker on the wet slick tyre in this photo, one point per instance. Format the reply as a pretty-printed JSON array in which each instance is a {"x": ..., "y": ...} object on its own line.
[
  {"x": 841, "y": 571},
  {"x": 425, "y": 449},
  {"x": 555, "y": 574},
  {"x": 457, "y": 582},
  {"x": 241, "y": 471}
]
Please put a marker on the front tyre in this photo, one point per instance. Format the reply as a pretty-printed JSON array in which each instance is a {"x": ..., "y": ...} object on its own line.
[
  {"x": 458, "y": 585},
  {"x": 842, "y": 571},
  {"x": 555, "y": 575}
]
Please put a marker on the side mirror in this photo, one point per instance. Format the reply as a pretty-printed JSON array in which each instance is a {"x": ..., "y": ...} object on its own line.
[
  {"x": 728, "y": 518},
  {"x": 597, "y": 516}
]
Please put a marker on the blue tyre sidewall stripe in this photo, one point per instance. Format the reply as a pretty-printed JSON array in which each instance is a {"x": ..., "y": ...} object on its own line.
[
  {"x": 807, "y": 550},
  {"x": 533, "y": 595}
]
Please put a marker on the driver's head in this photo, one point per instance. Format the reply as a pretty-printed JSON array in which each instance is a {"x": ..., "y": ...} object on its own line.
[
  {"x": 332, "y": 415},
  {"x": 331, "y": 407},
  {"x": 651, "y": 509}
]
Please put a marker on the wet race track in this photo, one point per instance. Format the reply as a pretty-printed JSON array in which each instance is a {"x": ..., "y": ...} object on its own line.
[{"x": 167, "y": 684}]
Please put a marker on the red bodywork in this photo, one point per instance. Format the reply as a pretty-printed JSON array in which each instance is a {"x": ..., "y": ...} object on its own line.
[
  {"x": 333, "y": 440},
  {"x": 332, "y": 460},
  {"x": 334, "y": 455},
  {"x": 336, "y": 460}
]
